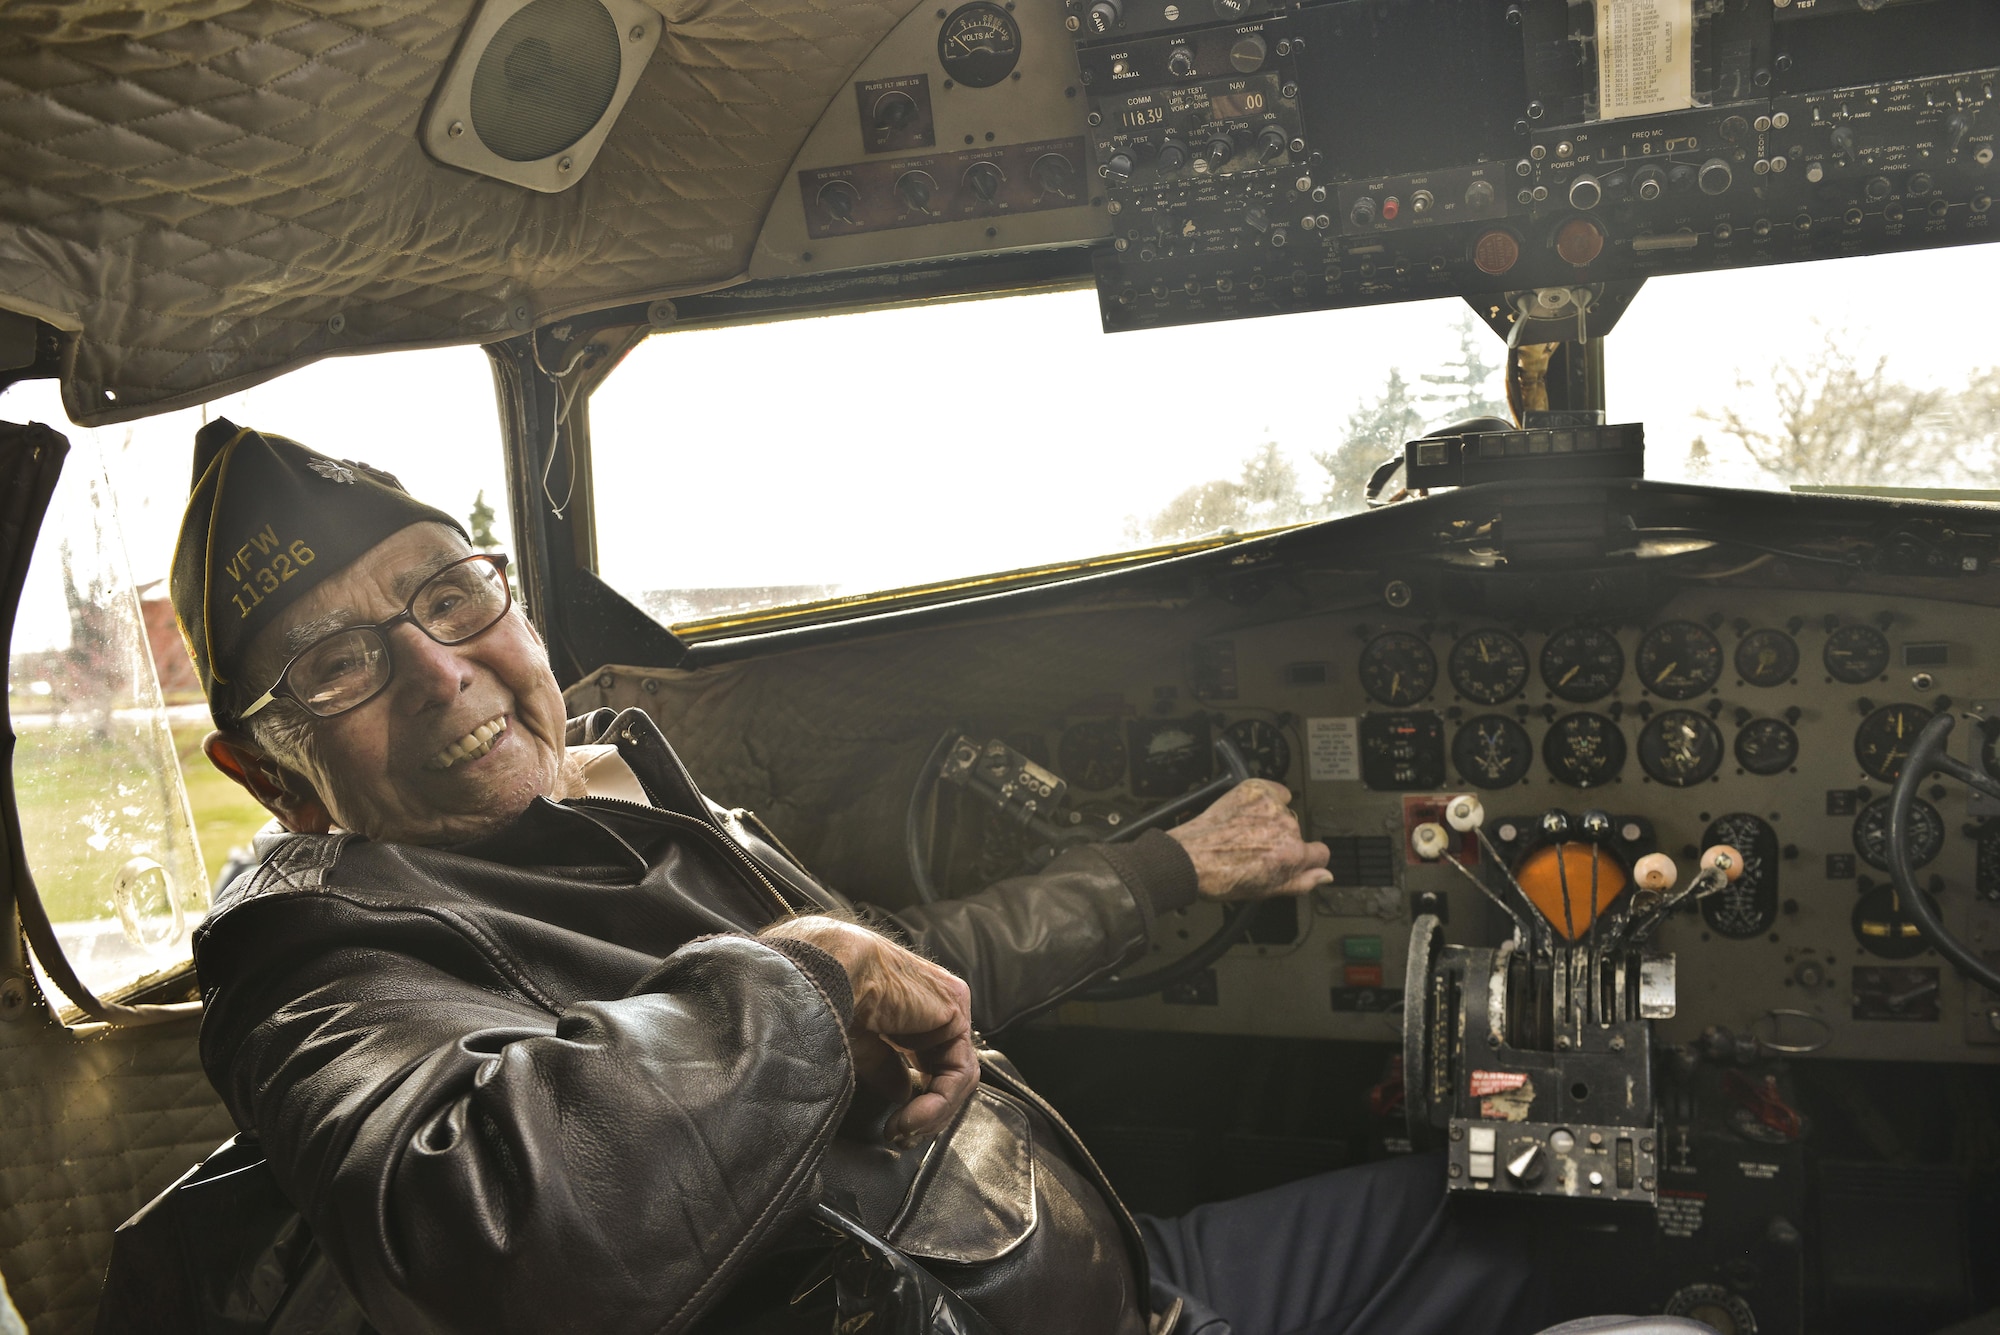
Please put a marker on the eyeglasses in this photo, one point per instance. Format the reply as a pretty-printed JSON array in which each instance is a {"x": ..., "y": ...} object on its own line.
[{"x": 349, "y": 667}]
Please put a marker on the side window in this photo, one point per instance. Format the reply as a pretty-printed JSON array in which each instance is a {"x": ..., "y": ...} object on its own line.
[
  {"x": 104, "y": 813},
  {"x": 109, "y": 769}
]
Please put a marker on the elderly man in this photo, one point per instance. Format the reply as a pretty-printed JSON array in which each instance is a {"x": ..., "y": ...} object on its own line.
[{"x": 537, "y": 1038}]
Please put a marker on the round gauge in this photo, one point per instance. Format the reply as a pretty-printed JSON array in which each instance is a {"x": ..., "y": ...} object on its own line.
[
  {"x": 1263, "y": 747},
  {"x": 1398, "y": 668},
  {"x": 1713, "y": 1305},
  {"x": 1679, "y": 660},
  {"x": 1488, "y": 666},
  {"x": 1492, "y": 751},
  {"x": 1092, "y": 755},
  {"x": 1884, "y": 927},
  {"x": 1767, "y": 657},
  {"x": 1855, "y": 654},
  {"x": 979, "y": 45},
  {"x": 1871, "y": 834},
  {"x": 1582, "y": 663},
  {"x": 1680, "y": 748},
  {"x": 1584, "y": 750},
  {"x": 1748, "y": 905},
  {"x": 1885, "y": 737},
  {"x": 1767, "y": 746}
]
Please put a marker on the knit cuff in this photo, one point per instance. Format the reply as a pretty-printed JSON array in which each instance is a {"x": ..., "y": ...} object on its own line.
[
  {"x": 824, "y": 970},
  {"x": 1156, "y": 866}
]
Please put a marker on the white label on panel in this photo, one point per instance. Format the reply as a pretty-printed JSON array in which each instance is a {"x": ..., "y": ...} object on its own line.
[
  {"x": 1333, "y": 748},
  {"x": 1645, "y": 57}
]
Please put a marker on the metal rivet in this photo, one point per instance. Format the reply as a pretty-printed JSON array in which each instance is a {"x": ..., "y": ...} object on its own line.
[
  {"x": 564, "y": 165},
  {"x": 456, "y": 129},
  {"x": 336, "y": 322},
  {"x": 651, "y": 685},
  {"x": 638, "y": 32},
  {"x": 604, "y": 682}
]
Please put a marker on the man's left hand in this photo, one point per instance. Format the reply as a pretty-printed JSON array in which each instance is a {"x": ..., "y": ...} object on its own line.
[{"x": 1248, "y": 846}]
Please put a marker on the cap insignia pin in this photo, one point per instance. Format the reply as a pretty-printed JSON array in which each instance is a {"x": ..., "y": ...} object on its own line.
[{"x": 331, "y": 471}]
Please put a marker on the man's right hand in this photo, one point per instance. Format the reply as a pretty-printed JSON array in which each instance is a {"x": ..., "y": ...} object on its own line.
[{"x": 911, "y": 1019}]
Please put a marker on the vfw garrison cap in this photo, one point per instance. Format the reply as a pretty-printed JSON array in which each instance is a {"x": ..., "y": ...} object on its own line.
[{"x": 267, "y": 520}]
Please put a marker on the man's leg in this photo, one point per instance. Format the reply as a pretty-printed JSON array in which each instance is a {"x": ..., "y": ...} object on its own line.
[{"x": 1364, "y": 1251}]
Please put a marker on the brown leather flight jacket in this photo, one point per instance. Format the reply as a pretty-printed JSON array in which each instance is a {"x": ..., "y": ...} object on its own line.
[{"x": 547, "y": 1081}]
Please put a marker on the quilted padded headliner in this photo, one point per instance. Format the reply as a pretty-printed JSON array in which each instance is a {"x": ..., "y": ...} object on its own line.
[{"x": 214, "y": 191}]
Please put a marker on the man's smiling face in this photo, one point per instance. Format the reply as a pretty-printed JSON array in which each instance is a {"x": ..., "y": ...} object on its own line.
[{"x": 462, "y": 738}]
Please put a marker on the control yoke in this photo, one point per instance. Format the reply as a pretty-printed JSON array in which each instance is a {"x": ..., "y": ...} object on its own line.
[{"x": 1928, "y": 755}]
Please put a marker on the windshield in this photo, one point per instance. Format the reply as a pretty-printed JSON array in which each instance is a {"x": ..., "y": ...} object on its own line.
[{"x": 813, "y": 459}]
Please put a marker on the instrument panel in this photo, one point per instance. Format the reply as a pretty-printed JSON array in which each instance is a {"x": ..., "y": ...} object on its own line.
[{"x": 1731, "y": 716}]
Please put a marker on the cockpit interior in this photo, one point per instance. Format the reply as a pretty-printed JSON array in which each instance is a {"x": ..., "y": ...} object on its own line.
[{"x": 1664, "y": 812}]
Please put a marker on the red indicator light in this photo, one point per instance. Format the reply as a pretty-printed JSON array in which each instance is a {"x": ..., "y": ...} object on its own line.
[
  {"x": 1579, "y": 241},
  {"x": 1362, "y": 975},
  {"x": 1496, "y": 252}
]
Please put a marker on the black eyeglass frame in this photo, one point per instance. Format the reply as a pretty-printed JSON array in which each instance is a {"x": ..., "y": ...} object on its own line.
[{"x": 282, "y": 690}]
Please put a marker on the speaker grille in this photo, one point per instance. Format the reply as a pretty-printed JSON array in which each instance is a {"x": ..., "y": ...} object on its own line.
[{"x": 546, "y": 79}]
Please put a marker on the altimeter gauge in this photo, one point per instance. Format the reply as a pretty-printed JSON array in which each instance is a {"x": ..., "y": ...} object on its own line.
[
  {"x": 1679, "y": 660},
  {"x": 1488, "y": 666},
  {"x": 1398, "y": 668},
  {"x": 1582, "y": 663}
]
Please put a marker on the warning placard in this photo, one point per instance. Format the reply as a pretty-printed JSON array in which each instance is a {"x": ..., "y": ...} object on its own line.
[
  {"x": 1333, "y": 749},
  {"x": 1645, "y": 57}
]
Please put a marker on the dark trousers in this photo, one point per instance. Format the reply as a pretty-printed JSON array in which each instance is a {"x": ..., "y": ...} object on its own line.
[{"x": 1365, "y": 1251}]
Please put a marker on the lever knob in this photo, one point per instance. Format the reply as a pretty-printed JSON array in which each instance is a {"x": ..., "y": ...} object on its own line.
[
  {"x": 1722, "y": 858},
  {"x": 1655, "y": 872},
  {"x": 1429, "y": 841},
  {"x": 1465, "y": 813}
]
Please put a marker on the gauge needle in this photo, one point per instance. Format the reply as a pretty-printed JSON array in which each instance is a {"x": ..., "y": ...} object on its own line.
[
  {"x": 1484, "y": 657},
  {"x": 1571, "y": 673},
  {"x": 1396, "y": 684},
  {"x": 1666, "y": 672}
]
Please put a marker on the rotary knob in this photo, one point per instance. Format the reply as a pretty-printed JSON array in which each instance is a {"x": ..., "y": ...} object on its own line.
[
  {"x": 1173, "y": 155},
  {"x": 1180, "y": 62},
  {"x": 1649, "y": 183},
  {"x": 1104, "y": 16},
  {"x": 1247, "y": 55},
  {"x": 1479, "y": 195},
  {"x": 1218, "y": 151},
  {"x": 917, "y": 190},
  {"x": 1585, "y": 193},
  {"x": 894, "y": 110},
  {"x": 1054, "y": 173},
  {"x": 1271, "y": 141},
  {"x": 984, "y": 180},
  {"x": 1529, "y": 1165},
  {"x": 839, "y": 199},
  {"x": 1119, "y": 165},
  {"x": 1715, "y": 177}
]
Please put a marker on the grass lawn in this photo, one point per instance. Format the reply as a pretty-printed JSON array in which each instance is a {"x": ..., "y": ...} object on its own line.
[
  {"x": 224, "y": 815},
  {"x": 70, "y": 797}
]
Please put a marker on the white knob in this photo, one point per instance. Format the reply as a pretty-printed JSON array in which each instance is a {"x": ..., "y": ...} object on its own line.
[
  {"x": 1724, "y": 859},
  {"x": 1429, "y": 841},
  {"x": 1465, "y": 813},
  {"x": 1655, "y": 871}
]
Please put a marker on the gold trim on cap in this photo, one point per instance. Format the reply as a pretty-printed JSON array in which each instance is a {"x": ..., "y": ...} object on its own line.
[{"x": 220, "y": 462}]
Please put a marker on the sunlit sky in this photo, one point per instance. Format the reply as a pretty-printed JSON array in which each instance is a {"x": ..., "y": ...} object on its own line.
[{"x": 879, "y": 450}]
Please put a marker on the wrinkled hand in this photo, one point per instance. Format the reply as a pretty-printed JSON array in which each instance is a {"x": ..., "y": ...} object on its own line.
[
  {"x": 1248, "y": 846},
  {"x": 912, "y": 1030}
]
